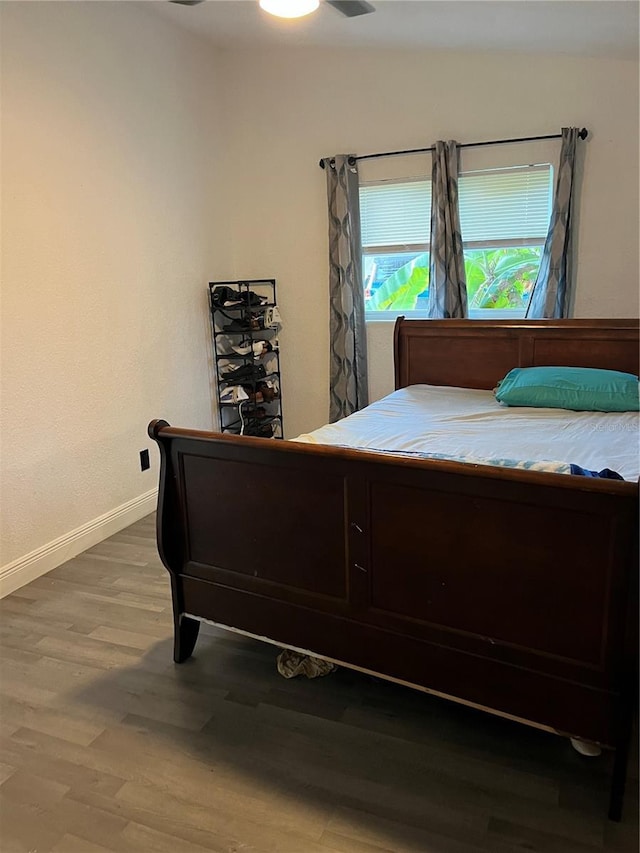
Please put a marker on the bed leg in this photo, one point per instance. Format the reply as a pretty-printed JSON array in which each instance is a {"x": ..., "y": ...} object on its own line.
[
  {"x": 618, "y": 783},
  {"x": 619, "y": 776},
  {"x": 184, "y": 637}
]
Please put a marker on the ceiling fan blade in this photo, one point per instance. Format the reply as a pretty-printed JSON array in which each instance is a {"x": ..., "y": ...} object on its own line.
[
  {"x": 186, "y": 2},
  {"x": 352, "y": 8}
]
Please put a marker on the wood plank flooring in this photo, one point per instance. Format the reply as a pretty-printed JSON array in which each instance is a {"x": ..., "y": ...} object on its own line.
[{"x": 108, "y": 747}]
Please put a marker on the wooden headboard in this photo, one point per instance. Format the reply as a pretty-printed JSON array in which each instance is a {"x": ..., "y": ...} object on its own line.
[{"x": 478, "y": 353}]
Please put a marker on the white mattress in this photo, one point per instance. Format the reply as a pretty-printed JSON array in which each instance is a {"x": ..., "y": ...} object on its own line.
[{"x": 464, "y": 422}]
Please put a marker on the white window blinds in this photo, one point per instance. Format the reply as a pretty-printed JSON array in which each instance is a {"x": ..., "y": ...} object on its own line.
[
  {"x": 505, "y": 204},
  {"x": 495, "y": 205},
  {"x": 395, "y": 213}
]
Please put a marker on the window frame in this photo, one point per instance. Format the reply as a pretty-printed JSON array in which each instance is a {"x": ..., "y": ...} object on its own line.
[{"x": 418, "y": 248}]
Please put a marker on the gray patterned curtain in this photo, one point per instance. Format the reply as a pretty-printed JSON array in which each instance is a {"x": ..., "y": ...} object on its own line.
[
  {"x": 550, "y": 294},
  {"x": 447, "y": 284},
  {"x": 348, "y": 375}
]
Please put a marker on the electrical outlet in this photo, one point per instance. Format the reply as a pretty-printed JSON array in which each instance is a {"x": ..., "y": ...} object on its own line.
[{"x": 144, "y": 460}]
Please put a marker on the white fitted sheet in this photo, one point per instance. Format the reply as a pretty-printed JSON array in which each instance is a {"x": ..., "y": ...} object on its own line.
[{"x": 465, "y": 422}]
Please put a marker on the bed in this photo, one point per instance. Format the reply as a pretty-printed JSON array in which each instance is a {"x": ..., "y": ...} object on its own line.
[{"x": 510, "y": 590}]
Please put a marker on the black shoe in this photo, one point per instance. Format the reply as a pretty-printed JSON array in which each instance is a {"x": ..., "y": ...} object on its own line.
[
  {"x": 259, "y": 430},
  {"x": 255, "y": 413},
  {"x": 245, "y": 373},
  {"x": 252, "y": 299},
  {"x": 254, "y": 324},
  {"x": 257, "y": 348},
  {"x": 237, "y": 326},
  {"x": 225, "y": 297}
]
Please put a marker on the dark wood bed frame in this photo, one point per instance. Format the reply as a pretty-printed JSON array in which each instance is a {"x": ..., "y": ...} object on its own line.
[{"x": 512, "y": 591}]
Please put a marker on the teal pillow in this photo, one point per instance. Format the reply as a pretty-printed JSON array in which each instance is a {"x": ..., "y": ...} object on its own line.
[{"x": 582, "y": 389}]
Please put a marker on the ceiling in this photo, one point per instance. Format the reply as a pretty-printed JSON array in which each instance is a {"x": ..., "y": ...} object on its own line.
[{"x": 577, "y": 27}]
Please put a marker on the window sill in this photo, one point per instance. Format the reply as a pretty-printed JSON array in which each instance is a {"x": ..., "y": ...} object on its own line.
[
  {"x": 474, "y": 314},
  {"x": 392, "y": 316}
]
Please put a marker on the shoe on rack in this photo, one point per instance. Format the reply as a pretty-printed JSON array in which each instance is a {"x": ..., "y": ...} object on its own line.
[
  {"x": 251, "y": 423},
  {"x": 256, "y": 348},
  {"x": 244, "y": 373},
  {"x": 253, "y": 300},
  {"x": 255, "y": 413},
  {"x": 246, "y": 299},
  {"x": 237, "y": 326},
  {"x": 255, "y": 396},
  {"x": 251, "y": 324},
  {"x": 233, "y": 394},
  {"x": 272, "y": 319},
  {"x": 268, "y": 390},
  {"x": 225, "y": 297},
  {"x": 259, "y": 431}
]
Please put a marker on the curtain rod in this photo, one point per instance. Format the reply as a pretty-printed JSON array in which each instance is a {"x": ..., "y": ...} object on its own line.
[{"x": 352, "y": 160}]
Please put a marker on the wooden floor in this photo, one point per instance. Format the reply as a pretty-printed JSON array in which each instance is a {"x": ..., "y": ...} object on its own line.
[{"x": 109, "y": 746}]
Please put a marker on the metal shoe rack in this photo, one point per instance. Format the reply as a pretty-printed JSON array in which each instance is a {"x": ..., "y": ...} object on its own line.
[{"x": 250, "y": 402}]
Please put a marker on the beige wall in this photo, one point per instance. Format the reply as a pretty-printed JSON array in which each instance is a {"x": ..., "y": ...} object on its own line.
[
  {"x": 111, "y": 170},
  {"x": 291, "y": 107}
]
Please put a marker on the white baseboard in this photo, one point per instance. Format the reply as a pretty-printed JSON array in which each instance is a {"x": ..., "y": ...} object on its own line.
[{"x": 42, "y": 560}]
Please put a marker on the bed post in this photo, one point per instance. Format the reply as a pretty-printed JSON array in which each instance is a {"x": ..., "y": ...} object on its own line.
[
  {"x": 620, "y": 761},
  {"x": 396, "y": 351},
  {"x": 185, "y": 629},
  {"x": 171, "y": 545},
  {"x": 628, "y": 699}
]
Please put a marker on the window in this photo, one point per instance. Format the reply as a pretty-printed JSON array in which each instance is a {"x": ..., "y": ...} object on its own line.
[{"x": 504, "y": 218}]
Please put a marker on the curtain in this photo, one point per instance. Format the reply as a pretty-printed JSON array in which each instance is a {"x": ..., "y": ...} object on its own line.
[
  {"x": 550, "y": 294},
  {"x": 447, "y": 285},
  {"x": 348, "y": 389}
]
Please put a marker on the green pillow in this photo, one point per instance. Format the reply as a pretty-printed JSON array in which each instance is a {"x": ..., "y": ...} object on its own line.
[{"x": 582, "y": 389}]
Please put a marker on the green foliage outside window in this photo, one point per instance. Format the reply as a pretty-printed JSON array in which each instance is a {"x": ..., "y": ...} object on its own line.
[
  {"x": 496, "y": 278},
  {"x": 501, "y": 278},
  {"x": 401, "y": 289}
]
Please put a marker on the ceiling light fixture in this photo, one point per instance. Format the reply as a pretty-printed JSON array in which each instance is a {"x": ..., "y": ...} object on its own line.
[{"x": 289, "y": 8}]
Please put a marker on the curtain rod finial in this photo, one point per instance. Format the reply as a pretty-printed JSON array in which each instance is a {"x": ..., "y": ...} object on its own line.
[
  {"x": 321, "y": 164},
  {"x": 583, "y": 133}
]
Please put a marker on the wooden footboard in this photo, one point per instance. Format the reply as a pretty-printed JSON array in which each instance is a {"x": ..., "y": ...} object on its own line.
[{"x": 512, "y": 590}]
